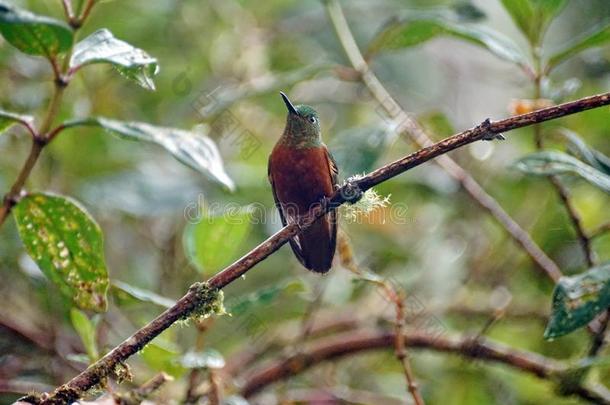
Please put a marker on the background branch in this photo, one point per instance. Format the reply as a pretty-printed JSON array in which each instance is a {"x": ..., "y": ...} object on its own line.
[
  {"x": 359, "y": 341},
  {"x": 409, "y": 126},
  {"x": 189, "y": 302}
]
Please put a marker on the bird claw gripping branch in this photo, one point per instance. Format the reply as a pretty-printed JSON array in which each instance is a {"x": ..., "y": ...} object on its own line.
[{"x": 487, "y": 132}]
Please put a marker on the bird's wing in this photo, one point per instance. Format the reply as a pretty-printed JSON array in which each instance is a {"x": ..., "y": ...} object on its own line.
[
  {"x": 334, "y": 173},
  {"x": 295, "y": 243}
]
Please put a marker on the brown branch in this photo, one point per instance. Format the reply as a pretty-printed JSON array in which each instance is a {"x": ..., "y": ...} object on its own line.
[
  {"x": 152, "y": 385},
  {"x": 359, "y": 341},
  {"x": 600, "y": 231},
  {"x": 401, "y": 352},
  {"x": 67, "y": 4},
  {"x": 396, "y": 295},
  {"x": 411, "y": 128},
  {"x": 583, "y": 239},
  {"x": 43, "y": 135},
  {"x": 189, "y": 302}
]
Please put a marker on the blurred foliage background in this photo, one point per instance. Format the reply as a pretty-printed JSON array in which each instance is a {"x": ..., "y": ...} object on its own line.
[{"x": 225, "y": 61}]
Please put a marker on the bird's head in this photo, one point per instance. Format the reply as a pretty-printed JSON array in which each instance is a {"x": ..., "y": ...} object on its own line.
[{"x": 302, "y": 124}]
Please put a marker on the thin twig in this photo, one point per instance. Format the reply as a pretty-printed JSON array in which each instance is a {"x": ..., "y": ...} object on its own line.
[
  {"x": 562, "y": 191},
  {"x": 43, "y": 135},
  {"x": 191, "y": 393},
  {"x": 583, "y": 239},
  {"x": 214, "y": 395},
  {"x": 400, "y": 350},
  {"x": 600, "y": 231},
  {"x": 599, "y": 338},
  {"x": 86, "y": 12},
  {"x": 152, "y": 385},
  {"x": 410, "y": 127},
  {"x": 359, "y": 341},
  {"x": 395, "y": 295},
  {"x": 188, "y": 303},
  {"x": 597, "y": 327},
  {"x": 68, "y": 9}
]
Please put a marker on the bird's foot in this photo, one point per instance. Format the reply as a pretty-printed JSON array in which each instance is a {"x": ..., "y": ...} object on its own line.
[{"x": 351, "y": 192}]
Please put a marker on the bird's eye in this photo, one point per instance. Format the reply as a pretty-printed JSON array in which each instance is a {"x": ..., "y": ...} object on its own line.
[{"x": 313, "y": 120}]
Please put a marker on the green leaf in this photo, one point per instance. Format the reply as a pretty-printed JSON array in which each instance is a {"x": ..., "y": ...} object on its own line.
[
  {"x": 263, "y": 297},
  {"x": 208, "y": 358},
  {"x": 86, "y": 330},
  {"x": 8, "y": 118},
  {"x": 533, "y": 16},
  {"x": 213, "y": 242},
  {"x": 142, "y": 294},
  {"x": 103, "y": 47},
  {"x": 194, "y": 150},
  {"x": 356, "y": 150},
  {"x": 412, "y": 31},
  {"x": 597, "y": 36},
  {"x": 577, "y": 300},
  {"x": 34, "y": 34},
  {"x": 67, "y": 245},
  {"x": 163, "y": 356},
  {"x": 549, "y": 163},
  {"x": 578, "y": 147}
]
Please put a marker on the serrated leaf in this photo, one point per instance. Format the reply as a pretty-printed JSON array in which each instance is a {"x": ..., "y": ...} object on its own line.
[
  {"x": 533, "y": 16},
  {"x": 103, "y": 47},
  {"x": 412, "y": 31},
  {"x": 214, "y": 241},
  {"x": 549, "y": 163},
  {"x": 34, "y": 34},
  {"x": 597, "y": 36},
  {"x": 8, "y": 118},
  {"x": 86, "y": 330},
  {"x": 193, "y": 149},
  {"x": 264, "y": 296},
  {"x": 67, "y": 244},
  {"x": 578, "y": 147},
  {"x": 143, "y": 295},
  {"x": 577, "y": 300},
  {"x": 208, "y": 358}
]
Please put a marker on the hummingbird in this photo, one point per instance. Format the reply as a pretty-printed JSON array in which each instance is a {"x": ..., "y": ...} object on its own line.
[{"x": 302, "y": 172}]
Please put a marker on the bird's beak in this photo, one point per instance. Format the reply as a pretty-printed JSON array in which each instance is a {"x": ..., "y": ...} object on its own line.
[{"x": 289, "y": 105}]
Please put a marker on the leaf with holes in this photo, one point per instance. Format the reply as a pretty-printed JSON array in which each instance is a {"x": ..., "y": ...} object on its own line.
[
  {"x": 414, "y": 30},
  {"x": 67, "y": 244},
  {"x": 34, "y": 34},
  {"x": 577, "y": 300},
  {"x": 595, "y": 37},
  {"x": 549, "y": 163},
  {"x": 213, "y": 241},
  {"x": 7, "y": 119},
  {"x": 103, "y": 47},
  {"x": 195, "y": 150},
  {"x": 86, "y": 330}
]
